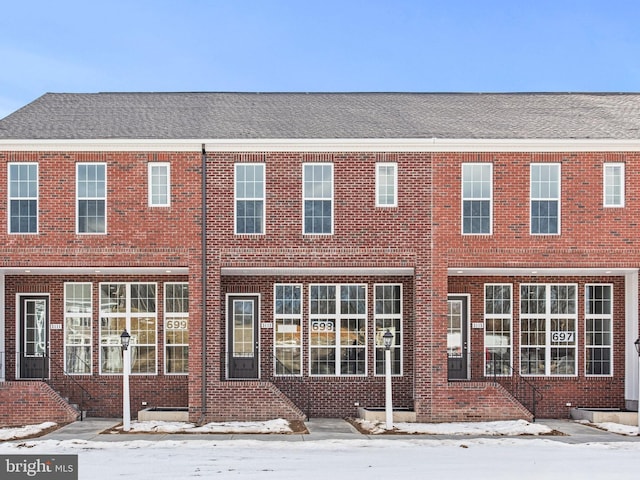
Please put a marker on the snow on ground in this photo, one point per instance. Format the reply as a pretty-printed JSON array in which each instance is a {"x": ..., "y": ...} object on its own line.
[
  {"x": 271, "y": 426},
  {"x": 408, "y": 458},
  {"x": 516, "y": 427},
  {"x": 26, "y": 431}
]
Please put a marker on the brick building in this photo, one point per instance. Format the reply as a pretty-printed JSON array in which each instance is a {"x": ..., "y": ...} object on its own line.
[{"x": 493, "y": 235}]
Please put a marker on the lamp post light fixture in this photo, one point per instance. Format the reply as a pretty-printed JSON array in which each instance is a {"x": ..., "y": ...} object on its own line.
[
  {"x": 125, "y": 338},
  {"x": 637, "y": 345},
  {"x": 388, "y": 404}
]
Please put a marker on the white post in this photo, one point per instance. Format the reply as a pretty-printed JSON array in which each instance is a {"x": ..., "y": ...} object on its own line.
[
  {"x": 126, "y": 405},
  {"x": 638, "y": 393},
  {"x": 388, "y": 397}
]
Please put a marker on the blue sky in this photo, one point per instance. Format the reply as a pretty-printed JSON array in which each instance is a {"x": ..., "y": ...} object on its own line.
[{"x": 324, "y": 45}]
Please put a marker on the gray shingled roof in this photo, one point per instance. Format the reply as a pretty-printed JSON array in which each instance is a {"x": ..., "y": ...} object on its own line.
[{"x": 326, "y": 115}]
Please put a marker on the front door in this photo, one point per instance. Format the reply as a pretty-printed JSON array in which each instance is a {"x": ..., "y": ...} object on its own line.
[
  {"x": 243, "y": 343},
  {"x": 457, "y": 342},
  {"x": 34, "y": 337}
]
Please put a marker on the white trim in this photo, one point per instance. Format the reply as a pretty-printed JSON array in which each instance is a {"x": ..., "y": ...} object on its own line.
[
  {"x": 18, "y": 330},
  {"x": 606, "y": 166},
  {"x": 387, "y": 316},
  {"x": 540, "y": 272},
  {"x": 94, "y": 270},
  {"x": 543, "y": 198},
  {"x": 314, "y": 198},
  {"x": 493, "y": 316},
  {"x": 595, "y": 316},
  {"x": 631, "y": 363},
  {"x": 182, "y": 315},
  {"x": 150, "y": 166},
  {"x": 3, "y": 348},
  {"x": 323, "y": 145},
  {"x": 379, "y": 165},
  {"x": 469, "y": 332},
  {"x": 263, "y": 199},
  {"x": 79, "y": 198},
  {"x": 18, "y": 197},
  {"x": 306, "y": 271},
  {"x": 463, "y": 199},
  {"x": 66, "y": 316},
  {"x": 290, "y": 316}
]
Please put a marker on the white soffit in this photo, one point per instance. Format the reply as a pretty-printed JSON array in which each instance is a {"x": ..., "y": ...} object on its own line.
[
  {"x": 323, "y": 145},
  {"x": 309, "y": 271},
  {"x": 26, "y": 270},
  {"x": 539, "y": 272}
]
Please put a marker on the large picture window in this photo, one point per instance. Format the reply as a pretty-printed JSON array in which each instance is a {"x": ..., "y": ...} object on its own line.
[
  {"x": 598, "y": 330},
  {"x": 250, "y": 198},
  {"x": 91, "y": 197},
  {"x": 176, "y": 328},
  {"x": 288, "y": 329},
  {"x": 548, "y": 329},
  {"x": 388, "y": 316},
  {"x": 477, "y": 185},
  {"x": 337, "y": 330},
  {"x": 131, "y": 306},
  {"x": 498, "y": 321},
  {"x": 78, "y": 312},
  {"x": 545, "y": 198},
  {"x": 317, "y": 192},
  {"x": 23, "y": 198}
]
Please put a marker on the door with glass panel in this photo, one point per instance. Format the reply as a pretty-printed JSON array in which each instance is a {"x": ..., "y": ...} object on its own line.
[
  {"x": 34, "y": 337},
  {"x": 242, "y": 347},
  {"x": 457, "y": 342}
]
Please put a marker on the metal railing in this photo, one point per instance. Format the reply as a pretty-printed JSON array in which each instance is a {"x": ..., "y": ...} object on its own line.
[{"x": 71, "y": 388}]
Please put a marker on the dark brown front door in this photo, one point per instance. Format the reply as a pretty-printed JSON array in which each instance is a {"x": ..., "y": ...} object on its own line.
[
  {"x": 242, "y": 346},
  {"x": 457, "y": 343},
  {"x": 34, "y": 337}
]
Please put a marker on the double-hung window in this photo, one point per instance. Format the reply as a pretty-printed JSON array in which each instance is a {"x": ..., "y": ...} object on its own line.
[
  {"x": 176, "y": 327},
  {"x": 548, "y": 329},
  {"x": 388, "y": 316},
  {"x": 131, "y": 306},
  {"x": 338, "y": 329},
  {"x": 598, "y": 329},
  {"x": 159, "y": 182},
  {"x": 477, "y": 187},
  {"x": 545, "y": 198},
  {"x": 613, "y": 185},
  {"x": 23, "y": 198},
  {"x": 91, "y": 197},
  {"x": 78, "y": 312},
  {"x": 386, "y": 184},
  {"x": 287, "y": 316},
  {"x": 250, "y": 198},
  {"x": 498, "y": 321},
  {"x": 317, "y": 193}
]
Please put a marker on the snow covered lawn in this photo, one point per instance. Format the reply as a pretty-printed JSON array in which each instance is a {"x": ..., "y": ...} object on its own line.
[
  {"x": 271, "y": 426},
  {"x": 516, "y": 427}
]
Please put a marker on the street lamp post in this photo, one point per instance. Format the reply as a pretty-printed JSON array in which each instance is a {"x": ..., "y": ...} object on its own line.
[
  {"x": 388, "y": 404},
  {"x": 637, "y": 345},
  {"x": 126, "y": 368}
]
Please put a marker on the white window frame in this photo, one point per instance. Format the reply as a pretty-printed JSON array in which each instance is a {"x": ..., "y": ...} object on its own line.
[
  {"x": 127, "y": 315},
  {"x": 549, "y": 198},
  {"x": 11, "y": 198},
  {"x": 173, "y": 317},
  {"x": 474, "y": 196},
  {"x": 321, "y": 197},
  {"x": 599, "y": 316},
  {"x": 379, "y": 341},
  {"x": 239, "y": 198},
  {"x": 383, "y": 184},
  {"x": 152, "y": 176},
  {"x": 498, "y": 316},
  {"x": 79, "y": 198},
  {"x": 290, "y": 319},
  {"x": 548, "y": 317},
  {"x": 338, "y": 317},
  {"x": 609, "y": 178},
  {"x": 70, "y": 316}
]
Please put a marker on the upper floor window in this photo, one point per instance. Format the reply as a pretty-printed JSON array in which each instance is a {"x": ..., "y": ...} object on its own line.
[
  {"x": 613, "y": 185},
  {"x": 386, "y": 185},
  {"x": 477, "y": 186},
  {"x": 23, "y": 198},
  {"x": 159, "y": 184},
  {"x": 317, "y": 193},
  {"x": 545, "y": 198},
  {"x": 91, "y": 197},
  {"x": 250, "y": 198}
]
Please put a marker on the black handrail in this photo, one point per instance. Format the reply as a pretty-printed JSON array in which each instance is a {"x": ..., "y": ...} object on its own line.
[{"x": 62, "y": 368}]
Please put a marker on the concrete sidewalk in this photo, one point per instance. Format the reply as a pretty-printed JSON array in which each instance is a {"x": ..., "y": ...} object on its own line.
[{"x": 92, "y": 429}]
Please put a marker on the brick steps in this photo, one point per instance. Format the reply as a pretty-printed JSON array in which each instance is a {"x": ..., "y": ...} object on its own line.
[{"x": 33, "y": 402}]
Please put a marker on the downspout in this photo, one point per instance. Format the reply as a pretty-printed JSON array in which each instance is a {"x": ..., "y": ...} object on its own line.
[{"x": 204, "y": 283}]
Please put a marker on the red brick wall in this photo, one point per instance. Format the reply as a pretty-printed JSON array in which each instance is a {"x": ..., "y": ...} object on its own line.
[{"x": 31, "y": 403}]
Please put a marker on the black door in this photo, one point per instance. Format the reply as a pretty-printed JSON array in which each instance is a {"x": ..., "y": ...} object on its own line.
[
  {"x": 243, "y": 357},
  {"x": 457, "y": 342},
  {"x": 34, "y": 337}
]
